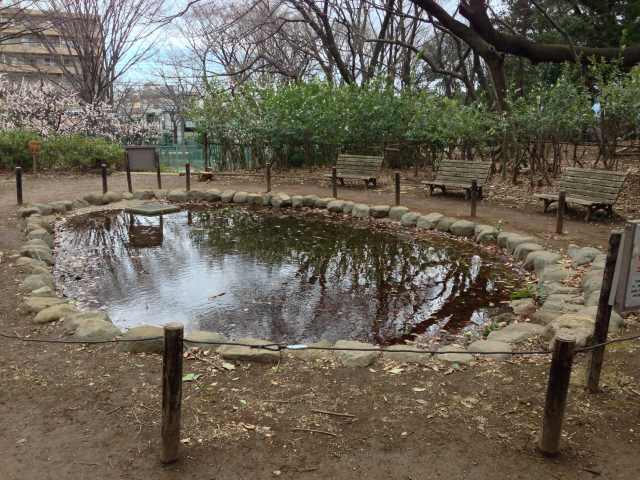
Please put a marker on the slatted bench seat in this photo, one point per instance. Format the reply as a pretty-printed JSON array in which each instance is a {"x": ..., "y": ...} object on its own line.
[
  {"x": 459, "y": 174},
  {"x": 594, "y": 189},
  {"x": 358, "y": 167}
]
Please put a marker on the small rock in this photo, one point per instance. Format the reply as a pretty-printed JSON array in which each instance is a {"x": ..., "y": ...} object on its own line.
[
  {"x": 403, "y": 354},
  {"x": 396, "y": 213},
  {"x": 54, "y": 313},
  {"x": 310, "y": 200},
  {"x": 213, "y": 195},
  {"x": 297, "y": 201},
  {"x": 428, "y": 222},
  {"x": 516, "y": 333},
  {"x": 360, "y": 210},
  {"x": 524, "y": 249},
  {"x": 25, "y": 212},
  {"x": 485, "y": 233},
  {"x": 36, "y": 281},
  {"x": 335, "y": 206},
  {"x": 379, "y": 211},
  {"x": 409, "y": 219},
  {"x": 347, "y": 207},
  {"x": 240, "y": 197},
  {"x": 463, "y": 228},
  {"x": 44, "y": 209},
  {"x": 323, "y": 202},
  {"x": 112, "y": 197},
  {"x": 458, "y": 354},
  {"x": 553, "y": 273},
  {"x": 227, "y": 196},
  {"x": 582, "y": 256},
  {"x": 281, "y": 200},
  {"x": 444, "y": 224},
  {"x": 95, "y": 199},
  {"x": 355, "y": 358},
  {"x": 491, "y": 347},
  {"x": 38, "y": 253},
  {"x": 41, "y": 234},
  {"x": 254, "y": 199},
  {"x": 37, "y": 304},
  {"x": 538, "y": 260},
  {"x": 147, "y": 194},
  {"x": 178, "y": 196},
  {"x": 143, "y": 346},
  {"x": 570, "y": 325}
]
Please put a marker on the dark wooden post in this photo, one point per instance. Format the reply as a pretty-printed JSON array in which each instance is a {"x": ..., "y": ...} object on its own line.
[
  {"x": 128, "y": 168},
  {"x": 103, "y": 168},
  {"x": 603, "y": 315},
  {"x": 187, "y": 171},
  {"x": 19, "y": 185},
  {"x": 474, "y": 197},
  {"x": 171, "y": 391},
  {"x": 562, "y": 197},
  {"x": 334, "y": 182},
  {"x": 156, "y": 155},
  {"x": 268, "y": 176},
  {"x": 397, "y": 187},
  {"x": 206, "y": 151},
  {"x": 556, "y": 400}
]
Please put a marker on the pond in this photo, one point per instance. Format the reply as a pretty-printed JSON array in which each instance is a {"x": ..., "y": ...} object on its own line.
[{"x": 282, "y": 277}]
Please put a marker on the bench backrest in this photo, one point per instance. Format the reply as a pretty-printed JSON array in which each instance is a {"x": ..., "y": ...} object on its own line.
[
  {"x": 359, "y": 165},
  {"x": 461, "y": 171},
  {"x": 596, "y": 185}
]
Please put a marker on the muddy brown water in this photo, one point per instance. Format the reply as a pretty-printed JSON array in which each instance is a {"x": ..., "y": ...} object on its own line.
[{"x": 284, "y": 277}]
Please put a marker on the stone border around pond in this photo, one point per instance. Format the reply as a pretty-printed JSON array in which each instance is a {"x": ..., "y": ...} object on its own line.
[{"x": 565, "y": 310}]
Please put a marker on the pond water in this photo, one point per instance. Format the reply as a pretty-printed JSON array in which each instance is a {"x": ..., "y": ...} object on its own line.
[{"x": 283, "y": 277}]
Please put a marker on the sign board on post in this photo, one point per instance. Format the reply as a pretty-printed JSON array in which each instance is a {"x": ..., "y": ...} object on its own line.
[
  {"x": 625, "y": 294},
  {"x": 142, "y": 158}
]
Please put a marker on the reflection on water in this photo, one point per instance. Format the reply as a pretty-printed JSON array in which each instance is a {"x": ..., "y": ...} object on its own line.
[{"x": 255, "y": 273}]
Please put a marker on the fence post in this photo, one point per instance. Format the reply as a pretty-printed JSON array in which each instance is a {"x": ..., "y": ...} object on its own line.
[
  {"x": 268, "y": 176},
  {"x": 603, "y": 315},
  {"x": 171, "y": 391},
  {"x": 474, "y": 197},
  {"x": 206, "y": 151},
  {"x": 334, "y": 182},
  {"x": 187, "y": 170},
  {"x": 156, "y": 155},
  {"x": 128, "y": 168},
  {"x": 562, "y": 196},
  {"x": 556, "y": 400},
  {"x": 103, "y": 168},
  {"x": 397, "y": 187},
  {"x": 19, "y": 185}
]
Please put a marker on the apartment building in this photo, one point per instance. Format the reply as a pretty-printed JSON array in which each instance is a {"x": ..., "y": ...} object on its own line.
[{"x": 38, "y": 51}]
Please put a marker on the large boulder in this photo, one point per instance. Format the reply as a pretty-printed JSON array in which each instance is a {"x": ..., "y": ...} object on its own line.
[
  {"x": 96, "y": 331},
  {"x": 266, "y": 199},
  {"x": 145, "y": 340},
  {"x": 491, "y": 349},
  {"x": 335, "y": 206},
  {"x": 43, "y": 208},
  {"x": 54, "y": 313},
  {"x": 428, "y": 222},
  {"x": 360, "y": 210},
  {"x": 379, "y": 211},
  {"x": 396, "y": 213},
  {"x": 515, "y": 240},
  {"x": 355, "y": 357},
  {"x": 249, "y": 354},
  {"x": 199, "y": 339},
  {"x": 463, "y": 228},
  {"x": 616, "y": 322},
  {"x": 516, "y": 333}
]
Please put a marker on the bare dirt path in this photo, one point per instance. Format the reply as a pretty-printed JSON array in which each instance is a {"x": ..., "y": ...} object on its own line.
[{"x": 92, "y": 412}]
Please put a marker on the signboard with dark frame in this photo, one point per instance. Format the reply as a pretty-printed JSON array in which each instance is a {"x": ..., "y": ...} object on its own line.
[{"x": 625, "y": 292}]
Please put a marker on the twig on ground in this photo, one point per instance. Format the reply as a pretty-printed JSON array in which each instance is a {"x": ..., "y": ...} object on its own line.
[
  {"x": 335, "y": 414},
  {"x": 311, "y": 430}
]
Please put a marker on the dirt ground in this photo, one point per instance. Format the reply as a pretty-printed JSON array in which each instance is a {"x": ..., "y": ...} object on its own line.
[{"x": 93, "y": 412}]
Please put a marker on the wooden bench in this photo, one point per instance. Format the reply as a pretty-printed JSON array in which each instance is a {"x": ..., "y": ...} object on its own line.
[
  {"x": 459, "y": 174},
  {"x": 358, "y": 167},
  {"x": 594, "y": 189}
]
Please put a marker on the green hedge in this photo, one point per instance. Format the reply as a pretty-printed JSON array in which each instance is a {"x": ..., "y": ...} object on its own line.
[{"x": 58, "y": 151}]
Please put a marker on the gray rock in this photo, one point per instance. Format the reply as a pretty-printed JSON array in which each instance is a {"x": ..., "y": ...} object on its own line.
[
  {"x": 516, "y": 332},
  {"x": 396, "y": 213},
  {"x": 112, "y": 197},
  {"x": 254, "y": 199},
  {"x": 25, "y": 212},
  {"x": 379, "y": 211},
  {"x": 159, "y": 194},
  {"x": 44, "y": 209},
  {"x": 281, "y": 200},
  {"x": 37, "y": 304},
  {"x": 563, "y": 303},
  {"x": 75, "y": 320},
  {"x": 495, "y": 348},
  {"x": 140, "y": 345},
  {"x": 403, "y": 354},
  {"x": 553, "y": 273},
  {"x": 310, "y": 200},
  {"x": 213, "y": 195},
  {"x": 147, "y": 194},
  {"x": 463, "y": 228},
  {"x": 36, "y": 281},
  {"x": 514, "y": 241},
  {"x": 313, "y": 355},
  {"x": 42, "y": 292},
  {"x": 127, "y": 196},
  {"x": 61, "y": 206},
  {"x": 524, "y": 249},
  {"x": 197, "y": 195},
  {"x": 297, "y": 201},
  {"x": 458, "y": 354},
  {"x": 616, "y": 322},
  {"x": 227, "y": 196},
  {"x": 444, "y": 224},
  {"x": 335, "y": 206},
  {"x": 54, "y": 313},
  {"x": 80, "y": 203},
  {"x": 570, "y": 325},
  {"x": 96, "y": 330},
  {"x": 582, "y": 256},
  {"x": 41, "y": 234},
  {"x": 592, "y": 299},
  {"x": 240, "y": 197},
  {"x": 503, "y": 238},
  {"x": 323, "y": 202},
  {"x": 521, "y": 305},
  {"x": 409, "y": 219},
  {"x": 551, "y": 288},
  {"x": 592, "y": 282},
  {"x": 95, "y": 199},
  {"x": 360, "y": 210},
  {"x": 38, "y": 253},
  {"x": 355, "y": 358},
  {"x": 248, "y": 354},
  {"x": 428, "y": 222},
  {"x": 348, "y": 206},
  {"x": 178, "y": 196},
  {"x": 485, "y": 234},
  {"x": 197, "y": 338},
  {"x": 537, "y": 260},
  {"x": 266, "y": 199},
  {"x": 36, "y": 242}
]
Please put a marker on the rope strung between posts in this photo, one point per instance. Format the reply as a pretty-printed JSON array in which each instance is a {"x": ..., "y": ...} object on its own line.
[{"x": 278, "y": 347}]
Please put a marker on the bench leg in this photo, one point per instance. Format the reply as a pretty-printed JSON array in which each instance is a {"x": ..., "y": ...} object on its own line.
[
  {"x": 430, "y": 190},
  {"x": 374, "y": 182},
  {"x": 546, "y": 204},
  {"x": 341, "y": 181},
  {"x": 587, "y": 217}
]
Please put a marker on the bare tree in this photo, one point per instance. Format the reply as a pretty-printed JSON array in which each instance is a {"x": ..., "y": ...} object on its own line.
[{"x": 15, "y": 21}]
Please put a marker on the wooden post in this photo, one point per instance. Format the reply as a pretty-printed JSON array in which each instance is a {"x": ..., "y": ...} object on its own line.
[
  {"x": 156, "y": 155},
  {"x": 205, "y": 146},
  {"x": 556, "y": 400},
  {"x": 562, "y": 196},
  {"x": 19, "y": 185},
  {"x": 397, "y": 187},
  {"x": 103, "y": 168},
  {"x": 334, "y": 182},
  {"x": 474, "y": 197},
  {"x": 268, "y": 176},
  {"x": 171, "y": 391},
  {"x": 128, "y": 167},
  {"x": 187, "y": 170},
  {"x": 603, "y": 315}
]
